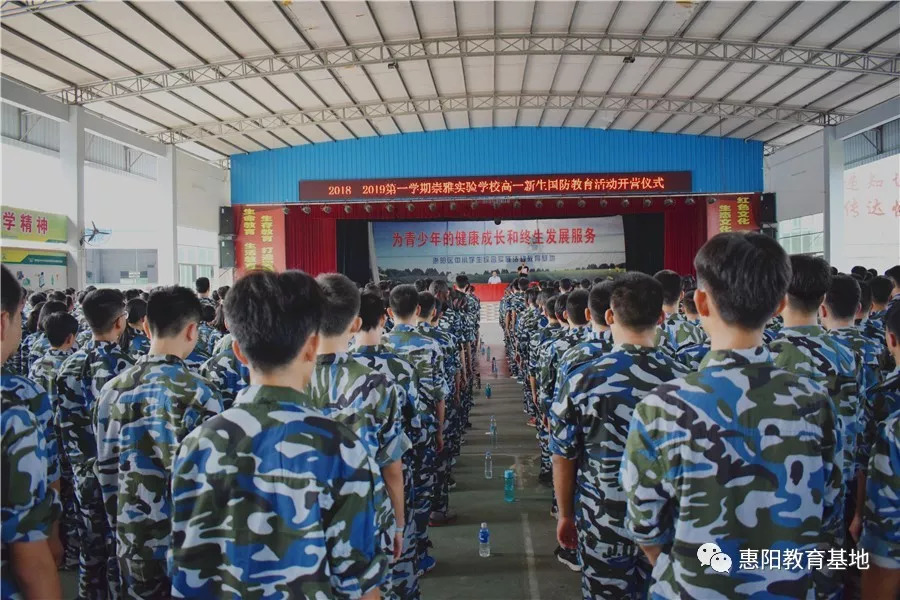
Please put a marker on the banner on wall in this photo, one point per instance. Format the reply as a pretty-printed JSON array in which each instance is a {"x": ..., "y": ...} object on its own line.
[
  {"x": 732, "y": 214},
  {"x": 33, "y": 225},
  {"x": 260, "y": 242},
  {"x": 36, "y": 269},
  {"x": 553, "y": 248},
  {"x": 872, "y": 214}
]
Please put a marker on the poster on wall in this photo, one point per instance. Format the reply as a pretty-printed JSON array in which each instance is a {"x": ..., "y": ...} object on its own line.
[
  {"x": 32, "y": 225},
  {"x": 260, "y": 240},
  {"x": 872, "y": 215},
  {"x": 552, "y": 248},
  {"x": 732, "y": 214},
  {"x": 36, "y": 270}
]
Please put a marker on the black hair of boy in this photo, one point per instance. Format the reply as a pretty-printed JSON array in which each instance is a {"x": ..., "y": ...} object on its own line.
[
  {"x": 57, "y": 296},
  {"x": 598, "y": 302},
  {"x": 892, "y": 320},
  {"x": 102, "y": 308},
  {"x": 35, "y": 298},
  {"x": 10, "y": 293},
  {"x": 688, "y": 301},
  {"x": 550, "y": 306},
  {"x": 881, "y": 289},
  {"x": 561, "y": 302},
  {"x": 137, "y": 310},
  {"x": 132, "y": 294},
  {"x": 586, "y": 284},
  {"x": 637, "y": 300},
  {"x": 341, "y": 303},
  {"x": 565, "y": 284},
  {"x": 34, "y": 318},
  {"x": 420, "y": 284},
  {"x": 207, "y": 313},
  {"x": 462, "y": 281},
  {"x": 58, "y": 327},
  {"x": 865, "y": 296},
  {"x": 894, "y": 275},
  {"x": 576, "y": 305},
  {"x": 223, "y": 292},
  {"x": 202, "y": 285},
  {"x": 671, "y": 285},
  {"x": 404, "y": 300},
  {"x": 427, "y": 303},
  {"x": 860, "y": 270},
  {"x": 746, "y": 274},
  {"x": 272, "y": 315},
  {"x": 171, "y": 309},
  {"x": 531, "y": 295},
  {"x": 371, "y": 310},
  {"x": 810, "y": 281},
  {"x": 522, "y": 284},
  {"x": 842, "y": 298},
  {"x": 50, "y": 307}
]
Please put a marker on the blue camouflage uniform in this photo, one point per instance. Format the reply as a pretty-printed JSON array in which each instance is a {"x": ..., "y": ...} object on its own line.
[
  {"x": 227, "y": 373},
  {"x": 881, "y": 518}
]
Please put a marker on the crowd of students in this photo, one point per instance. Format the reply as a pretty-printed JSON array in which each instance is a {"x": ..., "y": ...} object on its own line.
[
  {"x": 736, "y": 435},
  {"x": 285, "y": 437}
]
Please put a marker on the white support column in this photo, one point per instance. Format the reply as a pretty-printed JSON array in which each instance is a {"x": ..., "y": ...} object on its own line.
[
  {"x": 71, "y": 156},
  {"x": 835, "y": 249},
  {"x": 167, "y": 253}
]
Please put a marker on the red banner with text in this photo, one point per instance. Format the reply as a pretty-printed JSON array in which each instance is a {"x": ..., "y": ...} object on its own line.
[
  {"x": 732, "y": 214},
  {"x": 260, "y": 240}
]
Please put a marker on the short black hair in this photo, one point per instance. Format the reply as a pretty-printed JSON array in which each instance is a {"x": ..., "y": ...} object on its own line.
[
  {"x": 637, "y": 300},
  {"x": 57, "y": 296},
  {"x": 565, "y": 284},
  {"x": 522, "y": 284},
  {"x": 132, "y": 294},
  {"x": 585, "y": 284},
  {"x": 207, "y": 312},
  {"x": 10, "y": 293},
  {"x": 202, "y": 285},
  {"x": 894, "y": 274},
  {"x": 860, "y": 270},
  {"x": 746, "y": 274},
  {"x": 102, "y": 308},
  {"x": 223, "y": 292},
  {"x": 576, "y": 304},
  {"x": 438, "y": 287},
  {"x": 58, "y": 327},
  {"x": 420, "y": 284},
  {"x": 34, "y": 318},
  {"x": 842, "y": 297},
  {"x": 688, "y": 301},
  {"x": 865, "y": 296},
  {"x": 561, "y": 302},
  {"x": 892, "y": 320},
  {"x": 272, "y": 315},
  {"x": 171, "y": 309},
  {"x": 810, "y": 280},
  {"x": 550, "y": 306},
  {"x": 671, "y": 285},
  {"x": 136, "y": 309},
  {"x": 873, "y": 272},
  {"x": 341, "y": 303},
  {"x": 48, "y": 308},
  {"x": 371, "y": 309},
  {"x": 598, "y": 302},
  {"x": 531, "y": 295},
  {"x": 35, "y": 298},
  {"x": 462, "y": 281},
  {"x": 881, "y": 289},
  {"x": 426, "y": 304},
  {"x": 404, "y": 300}
]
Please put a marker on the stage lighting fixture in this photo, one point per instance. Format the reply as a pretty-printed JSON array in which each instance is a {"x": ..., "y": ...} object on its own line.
[
  {"x": 306, "y": 210},
  {"x": 560, "y": 204},
  {"x": 368, "y": 208},
  {"x": 286, "y": 210},
  {"x": 711, "y": 200},
  {"x": 432, "y": 206},
  {"x": 347, "y": 209},
  {"x": 497, "y": 221},
  {"x": 410, "y": 207},
  {"x": 626, "y": 203},
  {"x": 603, "y": 203},
  {"x": 517, "y": 204},
  {"x": 668, "y": 202},
  {"x": 628, "y": 60},
  {"x": 474, "y": 204},
  {"x": 689, "y": 201},
  {"x": 647, "y": 202},
  {"x": 392, "y": 65},
  {"x": 453, "y": 206},
  {"x": 581, "y": 203},
  {"x": 326, "y": 209},
  {"x": 539, "y": 204},
  {"x": 389, "y": 208}
]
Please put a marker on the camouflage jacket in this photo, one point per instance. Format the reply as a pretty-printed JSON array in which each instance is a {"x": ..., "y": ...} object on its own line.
[
  {"x": 223, "y": 343},
  {"x": 592, "y": 346},
  {"x": 881, "y": 517},
  {"x": 196, "y": 359},
  {"x": 362, "y": 399},
  {"x": 677, "y": 332},
  {"x": 214, "y": 336},
  {"x": 80, "y": 379},
  {"x": 880, "y": 402},
  {"x": 39, "y": 346},
  {"x": 539, "y": 337},
  {"x": 292, "y": 497},
  {"x": 810, "y": 352},
  {"x": 552, "y": 364},
  {"x": 29, "y": 505},
  {"x": 425, "y": 355},
  {"x": 704, "y": 452},
  {"x": 204, "y": 333},
  {"x": 20, "y": 391},
  {"x": 227, "y": 373},
  {"x": 142, "y": 415},
  {"x": 449, "y": 353},
  {"x": 691, "y": 356},
  {"x": 589, "y": 423},
  {"x": 44, "y": 373},
  {"x": 138, "y": 345}
]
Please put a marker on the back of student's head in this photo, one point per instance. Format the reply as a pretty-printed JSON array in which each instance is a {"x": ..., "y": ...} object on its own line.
[
  {"x": 341, "y": 303},
  {"x": 207, "y": 313},
  {"x": 550, "y": 306},
  {"x": 522, "y": 284},
  {"x": 865, "y": 296},
  {"x": 881, "y": 289},
  {"x": 892, "y": 320},
  {"x": 565, "y": 284},
  {"x": 561, "y": 301},
  {"x": 810, "y": 280},
  {"x": 58, "y": 327},
  {"x": 671, "y": 285},
  {"x": 171, "y": 309},
  {"x": 272, "y": 315},
  {"x": 842, "y": 297},
  {"x": 10, "y": 293},
  {"x": 404, "y": 301},
  {"x": 35, "y": 298},
  {"x": 223, "y": 292},
  {"x": 689, "y": 305},
  {"x": 462, "y": 281},
  {"x": 439, "y": 287},
  {"x": 894, "y": 275},
  {"x": 137, "y": 310},
  {"x": 586, "y": 284},
  {"x": 546, "y": 294},
  {"x": 746, "y": 274},
  {"x": 576, "y": 305},
  {"x": 132, "y": 294},
  {"x": 531, "y": 295},
  {"x": 636, "y": 300},
  {"x": 371, "y": 309},
  {"x": 32, "y": 323},
  {"x": 57, "y": 296},
  {"x": 426, "y": 304},
  {"x": 860, "y": 271},
  {"x": 872, "y": 272},
  {"x": 50, "y": 307},
  {"x": 420, "y": 284},
  {"x": 202, "y": 285},
  {"x": 102, "y": 308},
  {"x": 598, "y": 302}
]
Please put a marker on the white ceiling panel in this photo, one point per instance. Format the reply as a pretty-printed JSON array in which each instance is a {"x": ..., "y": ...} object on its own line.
[
  {"x": 395, "y": 19},
  {"x": 448, "y": 76},
  {"x": 475, "y": 18},
  {"x": 480, "y": 118},
  {"x": 578, "y": 118},
  {"x": 436, "y": 19},
  {"x": 553, "y": 117},
  {"x": 671, "y": 123},
  {"x": 625, "y": 120},
  {"x": 631, "y": 75},
  {"x": 433, "y": 122},
  {"x": 504, "y": 118},
  {"x": 355, "y": 21},
  {"x": 480, "y": 74},
  {"x": 515, "y": 17},
  {"x": 553, "y": 16},
  {"x": 593, "y": 17},
  {"x": 528, "y": 117},
  {"x": 799, "y": 21},
  {"x": 410, "y": 124},
  {"x": 418, "y": 78},
  {"x": 362, "y": 128},
  {"x": 338, "y": 131},
  {"x": 509, "y": 73},
  {"x": 539, "y": 74},
  {"x": 457, "y": 120},
  {"x": 634, "y": 17}
]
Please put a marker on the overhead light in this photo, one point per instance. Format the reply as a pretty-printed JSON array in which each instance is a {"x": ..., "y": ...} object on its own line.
[
  {"x": 392, "y": 65},
  {"x": 689, "y": 201},
  {"x": 581, "y": 203},
  {"x": 628, "y": 60},
  {"x": 326, "y": 209},
  {"x": 432, "y": 206},
  {"x": 711, "y": 200},
  {"x": 347, "y": 208},
  {"x": 453, "y": 206},
  {"x": 410, "y": 207},
  {"x": 603, "y": 203},
  {"x": 647, "y": 202},
  {"x": 539, "y": 204},
  {"x": 626, "y": 203},
  {"x": 474, "y": 204},
  {"x": 517, "y": 204},
  {"x": 368, "y": 208},
  {"x": 389, "y": 208},
  {"x": 560, "y": 204},
  {"x": 668, "y": 202},
  {"x": 306, "y": 210}
]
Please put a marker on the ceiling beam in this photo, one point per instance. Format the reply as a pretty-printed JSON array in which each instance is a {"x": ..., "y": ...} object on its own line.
[
  {"x": 377, "y": 53},
  {"x": 445, "y": 104}
]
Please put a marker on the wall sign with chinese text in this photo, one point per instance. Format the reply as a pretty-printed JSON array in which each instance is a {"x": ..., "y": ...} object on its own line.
[
  {"x": 260, "y": 240},
  {"x": 33, "y": 225},
  {"x": 871, "y": 219},
  {"x": 732, "y": 214},
  {"x": 593, "y": 184},
  {"x": 36, "y": 269}
]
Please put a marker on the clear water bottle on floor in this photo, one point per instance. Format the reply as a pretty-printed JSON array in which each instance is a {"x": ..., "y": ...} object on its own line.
[
  {"x": 488, "y": 465},
  {"x": 509, "y": 485},
  {"x": 484, "y": 541},
  {"x": 494, "y": 365},
  {"x": 493, "y": 432}
]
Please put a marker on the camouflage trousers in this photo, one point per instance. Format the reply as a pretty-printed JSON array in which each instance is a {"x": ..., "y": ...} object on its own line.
[
  {"x": 70, "y": 518},
  {"x": 143, "y": 579},
  {"x": 404, "y": 574},
  {"x": 98, "y": 572},
  {"x": 612, "y": 566},
  {"x": 441, "y": 495},
  {"x": 543, "y": 437},
  {"x": 424, "y": 482}
]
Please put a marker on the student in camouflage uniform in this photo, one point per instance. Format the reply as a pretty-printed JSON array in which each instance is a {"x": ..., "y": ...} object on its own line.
[
  {"x": 525, "y": 327},
  {"x": 80, "y": 379},
  {"x": 597, "y": 340},
  {"x": 425, "y": 355},
  {"x": 134, "y": 341},
  {"x": 540, "y": 338},
  {"x": 206, "y": 330},
  {"x": 203, "y": 293},
  {"x": 61, "y": 329},
  {"x": 141, "y": 416},
  {"x": 227, "y": 373},
  {"x": 873, "y": 325},
  {"x": 676, "y": 331},
  {"x": 29, "y": 506},
  {"x": 40, "y": 344},
  {"x": 302, "y": 516},
  {"x": 515, "y": 309},
  {"x": 370, "y": 351},
  {"x": 589, "y": 423},
  {"x": 696, "y": 470}
]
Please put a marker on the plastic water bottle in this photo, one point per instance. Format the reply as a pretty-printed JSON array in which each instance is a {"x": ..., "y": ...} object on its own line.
[
  {"x": 488, "y": 352},
  {"x": 493, "y": 432},
  {"x": 494, "y": 365},
  {"x": 488, "y": 465},
  {"x": 509, "y": 485},
  {"x": 484, "y": 541},
  {"x": 487, "y": 391}
]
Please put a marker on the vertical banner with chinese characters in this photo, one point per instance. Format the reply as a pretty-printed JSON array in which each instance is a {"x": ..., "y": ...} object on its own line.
[
  {"x": 732, "y": 214},
  {"x": 32, "y": 225},
  {"x": 872, "y": 215},
  {"x": 260, "y": 240},
  {"x": 557, "y": 248}
]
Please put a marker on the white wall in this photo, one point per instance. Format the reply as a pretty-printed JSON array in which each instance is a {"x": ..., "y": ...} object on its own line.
[
  {"x": 796, "y": 174},
  {"x": 201, "y": 190}
]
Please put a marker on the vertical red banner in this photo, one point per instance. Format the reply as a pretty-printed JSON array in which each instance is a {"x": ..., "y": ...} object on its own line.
[
  {"x": 260, "y": 240},
  {"x": 732, "y": 214}
]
